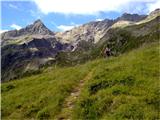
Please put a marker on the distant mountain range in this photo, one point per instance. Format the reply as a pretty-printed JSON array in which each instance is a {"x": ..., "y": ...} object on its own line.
[{"x": 29, "y": 49}]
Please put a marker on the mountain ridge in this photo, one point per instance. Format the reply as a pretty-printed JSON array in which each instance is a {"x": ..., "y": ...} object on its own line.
[
  {"x": 96, "y": 28},
  {"x": 43, "y": 47},
  {"x": 37, "y": 28}
]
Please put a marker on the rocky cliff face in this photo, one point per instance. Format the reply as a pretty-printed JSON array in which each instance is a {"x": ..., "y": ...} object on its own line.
[
  {"x": 89, "y": 32},
  {"x": 36, "y": 29},
  {"x": 124, "y": 39},
  {"x": 28, "y": 49},
  {"x": 95, "y": 30},
  {"x": 155, "y": 12},
  {"x": 131, "y": 17},
  {"x": 18, "y": 59}
]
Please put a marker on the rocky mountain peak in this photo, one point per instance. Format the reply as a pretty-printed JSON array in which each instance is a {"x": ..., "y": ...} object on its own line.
[
  {"x": 131, "y": 17},
  {"x": 37, "y": 28},
  {"x": 38, "y": 22},
  {"x": 155, "y": 12}
]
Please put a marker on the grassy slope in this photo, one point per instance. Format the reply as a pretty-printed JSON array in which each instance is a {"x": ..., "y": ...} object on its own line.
[
  {"x": 124, "y": 87},
  {"x": 130, "y": 37}
]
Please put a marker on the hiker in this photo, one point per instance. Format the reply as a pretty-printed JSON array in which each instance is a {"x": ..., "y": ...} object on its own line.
[{"x": 107, "y": 52}]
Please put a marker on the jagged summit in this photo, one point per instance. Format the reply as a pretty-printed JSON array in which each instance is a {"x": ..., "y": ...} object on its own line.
[
  {"x": 131, "y": 17},
  {"x": 37, "y": 28},
  {"x": 38, "y": 22},
  {"x": 155, "y": 12},
  {"x": 94, "y": 30}
]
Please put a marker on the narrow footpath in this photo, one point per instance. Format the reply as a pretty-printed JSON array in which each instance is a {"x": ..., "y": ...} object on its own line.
[{"x": 70, "y": 101}]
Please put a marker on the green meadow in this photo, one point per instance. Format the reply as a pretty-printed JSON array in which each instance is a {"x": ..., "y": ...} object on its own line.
[{"x": 118, "y": 88}]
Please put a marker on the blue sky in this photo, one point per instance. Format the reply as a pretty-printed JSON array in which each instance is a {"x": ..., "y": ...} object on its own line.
[{"x": 60, "y": 15}]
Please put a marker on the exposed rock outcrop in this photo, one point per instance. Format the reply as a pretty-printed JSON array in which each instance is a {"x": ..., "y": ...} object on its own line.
[{"x": 35, "y": 29}]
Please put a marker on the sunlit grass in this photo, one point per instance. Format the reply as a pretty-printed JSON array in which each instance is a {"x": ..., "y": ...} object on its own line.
[{"x": 124, "y": 87}]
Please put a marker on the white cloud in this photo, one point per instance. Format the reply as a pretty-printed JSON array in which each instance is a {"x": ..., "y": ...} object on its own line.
[
  {"x": 99, "y": 19},
  {"x": 2, "y": 31},
  {"x": 13, "y": 6},
  {"x": 66, "y": 27},
  {"x": 36, "y": 14},
  {"x": 14, "y": 26},
  {"x": 154, "y": 5},
  {"x": 93, "y": 7},
  {"x": 72, "y": 23}
]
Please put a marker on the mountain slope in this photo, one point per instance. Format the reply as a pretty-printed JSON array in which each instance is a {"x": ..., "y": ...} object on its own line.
[
  {"x": 26, "y": 50},
  {"x": 131, "y": 17},
  {"x": 119, "y": 40},
  {"x": 124, "y": 39},
  {"x": 35, "y": 46},
  {"x": 37, "y": 29},
  {"x": 124, "y": 87},
  {"x": 89, "y": 32},
  {"x": 94, "y": 30}
]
